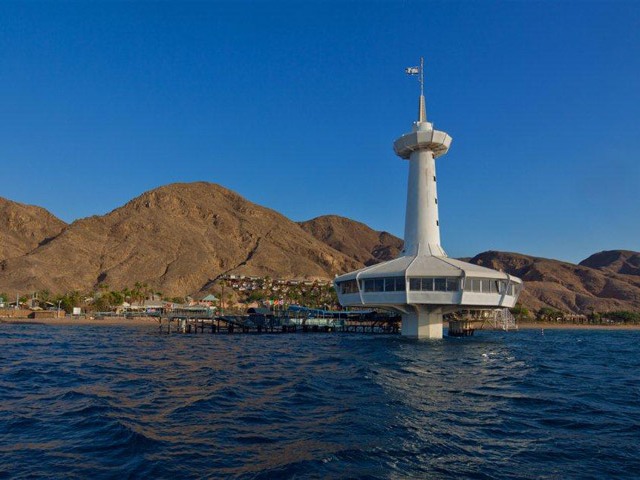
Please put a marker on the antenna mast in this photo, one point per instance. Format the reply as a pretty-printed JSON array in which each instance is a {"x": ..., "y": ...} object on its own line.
[{"x": 421, "y": 76}]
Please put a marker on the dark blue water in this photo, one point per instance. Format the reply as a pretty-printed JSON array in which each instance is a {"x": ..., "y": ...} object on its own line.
[{"x": 102, "y": 402}]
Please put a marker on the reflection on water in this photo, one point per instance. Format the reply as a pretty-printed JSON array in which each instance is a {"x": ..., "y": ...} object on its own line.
[{"x": 103, "y": 401}]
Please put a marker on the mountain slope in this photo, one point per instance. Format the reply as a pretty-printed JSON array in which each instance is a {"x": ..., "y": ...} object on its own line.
[
  {"x": 180, "y": 238},
  {"x": 565, "y": 286},
  {"x": 24, "y": 227},
  {"x": 354, "y": 239},
  {"x": 615, "y": 261},
  {"x": 177, "y": 238}
]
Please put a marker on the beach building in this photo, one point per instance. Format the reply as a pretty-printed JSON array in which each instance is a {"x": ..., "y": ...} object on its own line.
[{"x": 423, "y": 284}]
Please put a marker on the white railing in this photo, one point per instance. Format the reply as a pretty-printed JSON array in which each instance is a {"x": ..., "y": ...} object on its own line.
[{"x": 503, "y": 320}]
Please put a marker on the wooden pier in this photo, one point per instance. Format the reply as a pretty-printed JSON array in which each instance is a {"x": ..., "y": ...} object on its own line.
[{"x": 235, "y": 324}]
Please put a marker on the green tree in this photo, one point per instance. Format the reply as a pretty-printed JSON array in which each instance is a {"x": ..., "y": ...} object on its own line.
[
  {"x": 69, "y": 300},
  {"x": 43, "y": 295},
  {"x": 137, "y": 294},
  {"x": 520, "y": 312},
  {"x": 549, "y": 314},
  {"x": 623, "y": 316},
  {"x": 117, "y": 298}
]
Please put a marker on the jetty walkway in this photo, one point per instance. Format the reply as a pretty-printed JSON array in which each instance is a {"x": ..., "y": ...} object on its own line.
[{"x": 183, "y": 322}]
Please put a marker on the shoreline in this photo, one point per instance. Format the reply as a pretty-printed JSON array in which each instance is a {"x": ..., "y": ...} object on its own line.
[
  {"x": 572, "y": 326},
  {"x": 71, "y": 321},
  {"x": 146, "y": 321}
]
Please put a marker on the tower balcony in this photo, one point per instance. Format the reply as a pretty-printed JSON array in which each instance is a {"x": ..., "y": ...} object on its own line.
[{"x": 428, "y": 139}]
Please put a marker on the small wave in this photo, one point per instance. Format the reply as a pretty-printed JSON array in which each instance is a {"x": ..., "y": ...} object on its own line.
[{"x": 342, "y": 406}]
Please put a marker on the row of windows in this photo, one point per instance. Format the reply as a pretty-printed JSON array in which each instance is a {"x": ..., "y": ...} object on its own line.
[
  {"x": 488, "y": 286},
  {"x": 389, "y": 284},
  {"x": 434, "y": 284},
  {"x": 426, "y": 284}
]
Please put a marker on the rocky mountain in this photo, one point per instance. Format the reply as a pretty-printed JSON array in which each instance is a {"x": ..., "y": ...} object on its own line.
[
  {"x": 354, "y": 239},
  {"x": 178, "y": 239},
  {"x": 24, "y": 227},
  {"x": 603, "y": 282},
  {"x": 568, "y": 287},
  {"x": 615, "y": 261}
]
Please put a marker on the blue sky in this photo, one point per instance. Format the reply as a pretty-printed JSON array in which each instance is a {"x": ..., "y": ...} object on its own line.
[{"x": 296, "y": 106}]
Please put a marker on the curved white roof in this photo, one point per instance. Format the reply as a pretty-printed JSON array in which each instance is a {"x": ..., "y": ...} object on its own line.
[{"x": 425, "y": 266}]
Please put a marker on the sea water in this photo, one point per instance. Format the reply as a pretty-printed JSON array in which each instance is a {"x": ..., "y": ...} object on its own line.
[{"x": 129, "y": 402}]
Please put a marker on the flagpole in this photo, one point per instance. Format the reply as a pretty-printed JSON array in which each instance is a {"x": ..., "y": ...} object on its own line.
[{"x": 421, "y": 76}]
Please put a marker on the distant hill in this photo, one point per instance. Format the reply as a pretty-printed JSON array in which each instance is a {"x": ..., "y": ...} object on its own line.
[
  {"x": 180, "y": 238},
  {"x": 24, "y": 227},
  {"x": 615, "y": 261},
  {"x": 565, "y": 286},
  {"x": 354, "y": 239}
]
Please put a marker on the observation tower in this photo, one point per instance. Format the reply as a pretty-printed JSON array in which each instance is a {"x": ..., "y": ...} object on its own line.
[{"x": 423, "y": 284}]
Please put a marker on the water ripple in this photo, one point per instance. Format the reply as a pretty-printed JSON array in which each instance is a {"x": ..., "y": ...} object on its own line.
[{"x": 110, "y": 402}]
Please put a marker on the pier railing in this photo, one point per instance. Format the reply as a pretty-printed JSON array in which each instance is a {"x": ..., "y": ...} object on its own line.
[{"x": 207, "y": 323}]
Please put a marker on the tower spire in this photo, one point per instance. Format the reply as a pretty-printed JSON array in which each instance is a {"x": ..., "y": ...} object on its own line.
[{"x": 422, "y": 108}]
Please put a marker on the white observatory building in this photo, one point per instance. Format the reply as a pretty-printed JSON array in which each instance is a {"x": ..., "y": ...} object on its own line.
[{"x": 423, "y": 284}]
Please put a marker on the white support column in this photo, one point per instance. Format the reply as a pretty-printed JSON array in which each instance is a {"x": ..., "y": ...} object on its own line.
[{"x": 423, "y": 323}]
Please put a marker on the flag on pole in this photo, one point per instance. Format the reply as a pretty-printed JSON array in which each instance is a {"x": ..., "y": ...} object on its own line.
[{"x": 412, "y": 70}]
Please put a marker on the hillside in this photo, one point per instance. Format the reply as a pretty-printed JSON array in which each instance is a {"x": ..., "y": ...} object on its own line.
[
  {"x": 180, "y": 238},
  {"x": 177, "y": 238},
  {"x": 354, "y": 239},
  {"x": 615, "y": 261},
  {"x": 565, "y": 286},
  {"x": 24, "y": 227},
  {"x": 605, "y": 286}
]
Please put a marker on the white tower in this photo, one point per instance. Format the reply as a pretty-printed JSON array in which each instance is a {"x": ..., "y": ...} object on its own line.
[
  {"x": 423, "y": 284},
  {"x": 421, "y": 147}
]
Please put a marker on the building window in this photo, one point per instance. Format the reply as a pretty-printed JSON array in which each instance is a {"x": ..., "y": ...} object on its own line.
[
  {"x": 437, "y": 223},
  {"x": 434, "y": 284},
  {"x": 350, "y": 286},
  {"x": 472, "y": 284},
  {"x": 486, "y": 285},
  {"x": 390, "y": 284},
  {"x": 436, "y": 201},
  {"x": 374, "y": 285},
  {"x": 434, "y": 178},
  {"x": 387, "y": 284}
]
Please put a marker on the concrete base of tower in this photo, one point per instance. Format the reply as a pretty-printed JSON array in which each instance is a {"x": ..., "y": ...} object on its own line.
[{"x": 422, "y": 323}]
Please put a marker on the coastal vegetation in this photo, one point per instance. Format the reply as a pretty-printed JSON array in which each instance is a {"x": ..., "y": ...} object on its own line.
[
  {"x": 234, "y": 295},
  {"x": 551, "y": 315}
]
